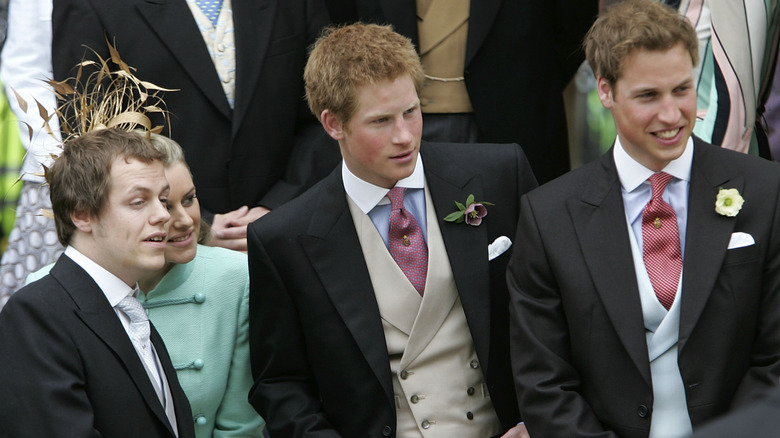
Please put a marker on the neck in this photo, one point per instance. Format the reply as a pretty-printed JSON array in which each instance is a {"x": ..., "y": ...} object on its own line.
[{"x": 148, "y": 283}]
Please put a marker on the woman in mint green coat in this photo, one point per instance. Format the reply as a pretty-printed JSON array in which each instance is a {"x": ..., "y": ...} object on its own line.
[{"x": 199, "y": 303}]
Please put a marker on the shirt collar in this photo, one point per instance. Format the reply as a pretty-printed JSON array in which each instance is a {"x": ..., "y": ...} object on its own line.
[
  {"x": 113, "y": 288},
  {"x": 367, "y": 196},
  {"x": 632, "y": 174}
]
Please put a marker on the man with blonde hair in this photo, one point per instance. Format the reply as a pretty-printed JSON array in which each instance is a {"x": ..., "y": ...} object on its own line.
[
  {"x": 378, "y": 303},
  {"x": 646, "y": 299}
]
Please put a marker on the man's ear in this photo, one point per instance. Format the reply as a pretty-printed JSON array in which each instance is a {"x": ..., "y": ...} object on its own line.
[
  {"x": 605, "y": 92},
  {"x": 82, "y": 220},
  {"x": 332, "y": 125}
]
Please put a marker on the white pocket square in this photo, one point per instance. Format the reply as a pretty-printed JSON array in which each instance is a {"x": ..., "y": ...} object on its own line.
[
  {"x": 498, "y": 247},
  {"x": 739, "y": 239}
]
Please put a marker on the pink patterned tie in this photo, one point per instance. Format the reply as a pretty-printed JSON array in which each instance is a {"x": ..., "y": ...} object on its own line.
[
  {"x": 407, "y": 245},
  {"x": 661, "y": 241}
]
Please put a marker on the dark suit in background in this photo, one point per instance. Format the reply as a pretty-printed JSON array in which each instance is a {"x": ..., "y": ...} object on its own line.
[
  {"x": 580, "y": 351},
  {"x": 519, "y": 57},
  {"x": 318, "y": 348},
  {"x": 759, "y": 420},
  {"x": 83, "y": 375},
  {"x": 267, "y": 149}
]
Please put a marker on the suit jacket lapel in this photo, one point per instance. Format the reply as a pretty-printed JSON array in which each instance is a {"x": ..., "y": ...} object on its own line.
[
  {"x": 481, "y": 16},
  {"x": 333, "y": 248},
  {"x": 442, "y": 19},
  {"x": 253, "y": 23},
  {"x": 707, "y": 235},
  {"x": 403, "y": 15},
  {"x": 602, "y": 232},
  {"x": 179, "y": 399},
  {"x": 95, "y": 311},
  {"x": 466, "y": 245},
  {"x": 172, "y": 21},
  {"x": 435, "y": 307}
]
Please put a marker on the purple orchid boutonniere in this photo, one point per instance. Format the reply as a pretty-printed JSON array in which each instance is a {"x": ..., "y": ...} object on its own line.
[{"x": 471, "y": 213}]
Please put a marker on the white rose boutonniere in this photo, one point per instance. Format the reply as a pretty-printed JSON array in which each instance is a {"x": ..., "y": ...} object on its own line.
[{"x": 729, "y": 202}]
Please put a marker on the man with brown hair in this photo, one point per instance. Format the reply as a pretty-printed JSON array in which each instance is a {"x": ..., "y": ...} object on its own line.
[
  {"x": 79, "y": 358},
  {"x": 370, "y": 313},
  {"x": 646, "y": 299}
]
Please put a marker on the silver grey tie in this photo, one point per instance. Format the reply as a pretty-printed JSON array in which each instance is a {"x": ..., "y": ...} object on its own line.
[
  {"x": 139, "y": 323},
  {"x": 139, "y": 332}
]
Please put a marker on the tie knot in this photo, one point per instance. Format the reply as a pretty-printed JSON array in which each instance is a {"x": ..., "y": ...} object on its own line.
[
  {"x": 658, "y": 182},
  {"x": 396, "y": 196},
  {"x": 133, "y": 309}
]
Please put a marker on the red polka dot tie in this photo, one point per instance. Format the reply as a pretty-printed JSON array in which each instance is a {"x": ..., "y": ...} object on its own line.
[
  {"x": 407, "y": 245},
  {"x": 661, "y": 242}
]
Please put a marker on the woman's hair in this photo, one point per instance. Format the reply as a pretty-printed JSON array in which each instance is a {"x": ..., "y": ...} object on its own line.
[{"x": 174, "y": 154}]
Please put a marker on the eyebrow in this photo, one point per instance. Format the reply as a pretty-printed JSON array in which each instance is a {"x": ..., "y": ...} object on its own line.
[
  {"x": 145, "y": 189},
  {"x": 378, "y": 114},
  {"x": 638, "y": 91},
  {"x": 688, "y": 81}
]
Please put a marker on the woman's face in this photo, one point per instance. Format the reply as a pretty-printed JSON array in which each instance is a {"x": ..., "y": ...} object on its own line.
[{"x": 185, "y": 215}]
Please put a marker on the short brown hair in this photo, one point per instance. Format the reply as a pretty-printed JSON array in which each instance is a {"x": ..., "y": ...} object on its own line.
[
  {"x": 632, "y": 25},
  {"x": 80, "y": 178},
  {"x": 344, "y": 58}
]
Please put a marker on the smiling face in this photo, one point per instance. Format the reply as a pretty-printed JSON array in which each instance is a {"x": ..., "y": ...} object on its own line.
[
  {"x": 184, "y": 209},
  {"x": 381, "y": 140},
  {"x": 128, "y": 238},
  {"x": 653, "y": 103}
]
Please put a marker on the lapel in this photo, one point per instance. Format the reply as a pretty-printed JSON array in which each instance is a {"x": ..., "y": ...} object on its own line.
[
  {"x": 253, "y": 21},
  {"x": 482, "y": 14},
  {"x": 94, "y": 310},
  {"x": 402, "y": 14},
  {"x": 436, "y": 306},
  {"x": 178, "y": 398},
  {"x": 707, "y": 234},
  {"x": 466, "y": 245},
  {"x": 172, "y": 21},
  {"x": 481, "y": 17},
  {"x": 333, "y": 248},
  {"x": 398, "y": 301},
  {"x": 600, "y": 223},
  {"x": 442, "y": 19}
]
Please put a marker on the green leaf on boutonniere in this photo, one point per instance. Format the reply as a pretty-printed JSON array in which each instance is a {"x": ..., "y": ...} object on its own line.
[{"x": 472, "y": 213}]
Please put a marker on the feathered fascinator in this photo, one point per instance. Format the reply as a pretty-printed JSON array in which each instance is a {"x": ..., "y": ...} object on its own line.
[
  {"x": 103, "y": 94},
  {"x": 100, "y": 96}
]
